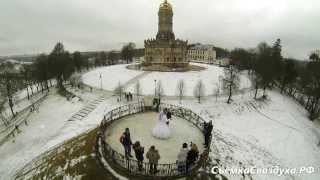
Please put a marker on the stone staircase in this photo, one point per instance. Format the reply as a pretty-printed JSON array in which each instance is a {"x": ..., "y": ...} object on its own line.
[{"x": 91, "y": 106}]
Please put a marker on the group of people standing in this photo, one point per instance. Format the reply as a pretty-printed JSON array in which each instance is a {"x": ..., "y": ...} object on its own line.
[
  {"x": 185, "y": 159},
  {"x": 152, "y": 155}
]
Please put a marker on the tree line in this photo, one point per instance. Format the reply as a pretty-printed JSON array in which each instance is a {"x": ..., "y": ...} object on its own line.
[
  {"x": 56, "y": 68},
  {"x": 269, "y": 69}
]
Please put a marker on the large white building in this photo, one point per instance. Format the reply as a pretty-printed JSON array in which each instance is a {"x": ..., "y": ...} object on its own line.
[{"x": 202, "y": 53}]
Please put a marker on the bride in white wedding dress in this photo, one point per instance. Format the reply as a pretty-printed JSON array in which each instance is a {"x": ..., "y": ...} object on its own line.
[{"x": 162, "y": 130}]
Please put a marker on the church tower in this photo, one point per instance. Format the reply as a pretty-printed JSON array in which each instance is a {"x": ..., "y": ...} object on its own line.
[
  {"x": 165, "y": 31},
  {"x": 165, "y": 52}
]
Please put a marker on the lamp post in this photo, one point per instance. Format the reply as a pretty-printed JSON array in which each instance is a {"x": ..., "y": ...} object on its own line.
[
  {"x": 100, "y": 81},
  {"x": 155, "y": 88}
]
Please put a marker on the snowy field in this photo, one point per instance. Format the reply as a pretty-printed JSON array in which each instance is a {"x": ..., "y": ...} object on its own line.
[
  {"x": 247, "y": 132},
  {"x": 262, "y": 134},
  {"x": 46, "y": 129},
  {"x": 141, "y": 126},
  {"x": 112, "y": 75}
]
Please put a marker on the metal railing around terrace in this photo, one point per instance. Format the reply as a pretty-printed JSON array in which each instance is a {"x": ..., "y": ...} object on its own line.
[{"x": 127, "y": 166}]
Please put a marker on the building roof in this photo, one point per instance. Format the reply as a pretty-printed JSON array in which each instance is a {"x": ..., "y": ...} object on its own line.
[{"x": 202, "y": 47}]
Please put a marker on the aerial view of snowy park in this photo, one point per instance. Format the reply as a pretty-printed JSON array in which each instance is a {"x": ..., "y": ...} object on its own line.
[{"x": 105, "y": 102}]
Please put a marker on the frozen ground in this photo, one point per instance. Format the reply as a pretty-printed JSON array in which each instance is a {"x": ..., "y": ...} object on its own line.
[
  {"x": 263, "y": 134},
  {"x": 112, "y": 75},
  {"x": 141, "y": 126},
  {"x": 251, "y": 132},
  {"x": 47, "y": 129}
]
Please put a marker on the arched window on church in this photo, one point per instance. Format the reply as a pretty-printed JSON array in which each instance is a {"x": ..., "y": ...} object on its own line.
[{"x": 175, "y": 59}]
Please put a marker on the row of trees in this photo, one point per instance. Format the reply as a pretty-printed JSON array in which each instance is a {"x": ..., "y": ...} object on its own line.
[
  {"x": 198, "y": 90},
  {"x": 268, "y": 69},
  {"x": 60, "y": 64}
]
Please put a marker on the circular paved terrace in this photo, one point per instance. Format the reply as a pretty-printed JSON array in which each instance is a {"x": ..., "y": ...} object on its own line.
[{"x": 141, "y": 126}]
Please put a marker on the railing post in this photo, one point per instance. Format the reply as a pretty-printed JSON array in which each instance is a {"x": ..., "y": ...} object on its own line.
[{"x": 131, "y": 165}]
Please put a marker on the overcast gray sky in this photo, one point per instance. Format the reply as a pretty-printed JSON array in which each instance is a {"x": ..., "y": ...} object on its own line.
[{"x": 34, "y": 26}]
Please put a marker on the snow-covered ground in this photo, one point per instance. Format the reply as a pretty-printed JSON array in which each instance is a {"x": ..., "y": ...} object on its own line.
[
  {"x": 141, "y": 126},
  {"x": 251, "y": 132},
  {"x": 48, "y": 128},
  {"x": 37, "y": 136},
  {"x": 273, "y": 133},
  {"x": 112, "y": 75}
]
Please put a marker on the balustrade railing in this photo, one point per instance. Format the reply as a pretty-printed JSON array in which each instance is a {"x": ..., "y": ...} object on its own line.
[{"x": 130, "y": 166}]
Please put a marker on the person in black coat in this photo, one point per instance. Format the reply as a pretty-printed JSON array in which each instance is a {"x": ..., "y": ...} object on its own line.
[
  {"x": 207, "y": 132},
  {"x": 139, "y": 151},
  {"x": 192, "y": 156},
  {"x": 169, "y": 114},
  {"x": 125, "y": 140}
]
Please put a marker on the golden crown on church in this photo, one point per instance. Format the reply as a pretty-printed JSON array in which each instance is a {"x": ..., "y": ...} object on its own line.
[{"x": 165, "y": 6}]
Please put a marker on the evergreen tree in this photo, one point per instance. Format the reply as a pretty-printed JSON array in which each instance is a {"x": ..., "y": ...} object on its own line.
[
  {"x": 78, "y": 60},
  {"x": 276, "y": 60},
  {"x": 127, "y": 52},
  {"x": 289, "y": 74},
  {"x": 264, "y": 67},
  {"x": 61, "y": 65}
]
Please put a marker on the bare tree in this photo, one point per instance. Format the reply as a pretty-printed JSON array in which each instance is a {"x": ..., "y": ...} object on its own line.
[
  {"x": 230, "y": 81},
  {"x": 216, "y": 91},
  {"x": 159, "y": 90},
  {"x": 181, "y": 89},
  {"x": 119, "y": 90},
  {"x": 138, "y": 89},
  {"x": 199, "y": 90}
]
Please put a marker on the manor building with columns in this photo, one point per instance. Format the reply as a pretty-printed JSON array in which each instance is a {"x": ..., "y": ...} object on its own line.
[{"x": 202, "y": 53}]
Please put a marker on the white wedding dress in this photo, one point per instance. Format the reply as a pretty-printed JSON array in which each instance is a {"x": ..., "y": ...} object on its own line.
[{"x": 161, "y": 130}]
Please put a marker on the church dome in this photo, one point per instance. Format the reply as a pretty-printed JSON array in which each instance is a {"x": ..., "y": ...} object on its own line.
[{"x": 165, "y": 6}]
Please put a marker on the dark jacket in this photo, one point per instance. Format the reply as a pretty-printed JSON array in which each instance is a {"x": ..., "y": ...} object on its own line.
[
  {"x": 208, "y": 128},
  {"x": 139, "y": 151},
  {"x": 169, "y": 115},
  {"x": 126, "y": 139},
  {"x": 192, "y": 156}
]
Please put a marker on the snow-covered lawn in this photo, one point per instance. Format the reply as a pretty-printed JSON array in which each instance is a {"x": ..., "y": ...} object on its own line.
[
  {"x": 112, "y": 75},
  {"x": 37, "y": 136},
  {"x": 275, "y": 132},
  {"x": 46, "y": 129},
  {"x": 254, "y": 133}
]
